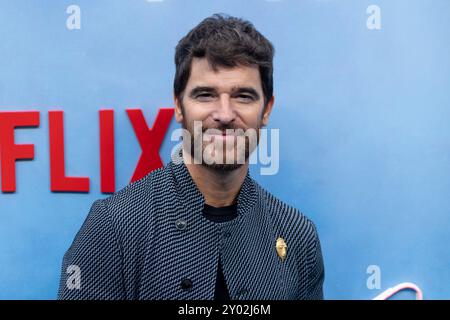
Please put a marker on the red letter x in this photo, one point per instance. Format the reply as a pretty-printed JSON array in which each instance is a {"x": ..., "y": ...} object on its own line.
[{"x": 149, "y": 139}]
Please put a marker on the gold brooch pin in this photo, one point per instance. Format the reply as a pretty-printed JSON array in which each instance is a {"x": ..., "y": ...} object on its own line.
[{"x": 281, "y": 248}]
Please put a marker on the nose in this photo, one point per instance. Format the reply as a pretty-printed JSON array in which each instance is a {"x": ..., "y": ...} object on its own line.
[{"x": 224, "y": 113}]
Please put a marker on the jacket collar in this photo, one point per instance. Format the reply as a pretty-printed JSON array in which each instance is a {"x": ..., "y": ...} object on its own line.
[{"x": 192, "y": 198}]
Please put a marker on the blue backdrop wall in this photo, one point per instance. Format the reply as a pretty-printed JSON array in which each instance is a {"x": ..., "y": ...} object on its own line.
[{"x": 363, "y": 114}]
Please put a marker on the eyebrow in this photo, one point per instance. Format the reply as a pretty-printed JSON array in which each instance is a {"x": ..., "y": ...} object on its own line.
[{"x": 200, "y": 89}]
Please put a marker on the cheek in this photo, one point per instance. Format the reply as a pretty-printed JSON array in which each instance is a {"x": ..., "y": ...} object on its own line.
[
  {"x": 193, "y": 112},
  {"x": 252, "y": 118}
]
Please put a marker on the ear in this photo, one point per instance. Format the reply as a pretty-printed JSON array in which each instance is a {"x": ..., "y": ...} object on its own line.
[
  {"x": 178, "y": 112},
  {"x": 267, "y": 111}
]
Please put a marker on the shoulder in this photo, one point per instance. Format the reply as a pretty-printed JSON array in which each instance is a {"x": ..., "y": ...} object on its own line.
[
  {"x": 136, "y": 194},
  {"x": 288, "y": 220},
  {"x": 132, "y": 207}
]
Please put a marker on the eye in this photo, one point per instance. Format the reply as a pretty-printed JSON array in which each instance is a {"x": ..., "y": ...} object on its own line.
[
  {"x": 245, "y": 98},
  {"x": 204, "y": 96}
]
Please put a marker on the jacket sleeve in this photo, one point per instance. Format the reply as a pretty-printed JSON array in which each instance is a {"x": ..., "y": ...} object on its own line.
[
  {"x": 92, "y": 266},
  {"x": 316, "y": 270}
]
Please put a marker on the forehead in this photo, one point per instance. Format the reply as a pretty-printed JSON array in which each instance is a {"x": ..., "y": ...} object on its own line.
[{"x": 202, "y": 74}]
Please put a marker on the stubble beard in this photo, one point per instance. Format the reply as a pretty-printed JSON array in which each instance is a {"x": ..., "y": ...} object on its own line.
[{"x": 196, "y": 142}]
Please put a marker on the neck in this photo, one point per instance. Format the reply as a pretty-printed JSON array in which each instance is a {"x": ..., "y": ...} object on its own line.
[{"x": 219, "y": 188}]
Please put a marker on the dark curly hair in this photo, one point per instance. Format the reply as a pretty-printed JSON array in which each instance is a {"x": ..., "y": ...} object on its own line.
[{"x": 225, "y": 41}]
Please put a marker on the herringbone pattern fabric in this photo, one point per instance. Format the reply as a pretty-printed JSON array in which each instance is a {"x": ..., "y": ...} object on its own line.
[{"x": 131, "y": 245}]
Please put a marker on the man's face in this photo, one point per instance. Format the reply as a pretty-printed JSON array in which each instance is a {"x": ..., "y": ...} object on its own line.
[{"x": 229, "y": 98}]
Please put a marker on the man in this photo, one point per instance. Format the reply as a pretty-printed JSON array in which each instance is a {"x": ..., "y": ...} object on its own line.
[{"x": 201, "y": 227}]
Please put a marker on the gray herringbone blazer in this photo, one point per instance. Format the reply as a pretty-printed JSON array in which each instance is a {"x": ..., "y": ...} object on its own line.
[{"x": 151, "y": 241}]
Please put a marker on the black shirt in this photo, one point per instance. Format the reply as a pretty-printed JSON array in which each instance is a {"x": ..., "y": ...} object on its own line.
[{"x": 221, "y": 214}]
